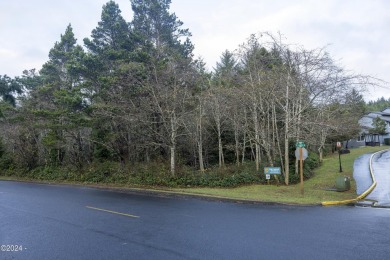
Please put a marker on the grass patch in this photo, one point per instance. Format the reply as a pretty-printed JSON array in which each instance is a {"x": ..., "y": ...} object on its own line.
[{"x": 315, "y": 188}]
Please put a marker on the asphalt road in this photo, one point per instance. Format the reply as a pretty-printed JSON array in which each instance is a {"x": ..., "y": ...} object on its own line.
[
  {"x": 65, "y": 222},
  {"x": 381, "y": 170}
]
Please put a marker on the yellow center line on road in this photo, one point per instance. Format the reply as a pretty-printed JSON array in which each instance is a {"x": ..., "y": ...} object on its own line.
[{"x": 113, "y": 212}]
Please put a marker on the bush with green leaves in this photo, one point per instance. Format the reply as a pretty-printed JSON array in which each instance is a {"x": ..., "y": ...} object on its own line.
[
  {"x": 158, "y": 174},
  {"x": 312, "y": 162}
]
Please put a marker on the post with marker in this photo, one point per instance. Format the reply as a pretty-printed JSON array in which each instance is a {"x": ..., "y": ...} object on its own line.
[
  {"x": 338, "y": 145},
  {"x": 302, "y": 154}
]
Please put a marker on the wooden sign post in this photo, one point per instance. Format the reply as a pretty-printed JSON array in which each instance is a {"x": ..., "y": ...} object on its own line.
[
  {"x": 338, "y": 145},
  {"x": 302, "y": 154}
]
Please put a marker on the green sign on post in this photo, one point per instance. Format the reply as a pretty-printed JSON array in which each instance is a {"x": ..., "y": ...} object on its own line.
[
  {"x": 272, "y": 170},
  {"x": 300, "y": 145}
]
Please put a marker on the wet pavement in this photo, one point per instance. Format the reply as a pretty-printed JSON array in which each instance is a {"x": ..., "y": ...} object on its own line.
[
  {"x": 361, "y": 173},
  {"x": 70, "y": 222},
  {"x": 381, "y": 170}
]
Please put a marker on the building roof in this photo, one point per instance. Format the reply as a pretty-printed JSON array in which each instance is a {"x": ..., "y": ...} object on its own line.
[
  {"x": 366, "y": 120},
  {"x": 384, "y": 115},
  {"x": 386, "y": 111}
]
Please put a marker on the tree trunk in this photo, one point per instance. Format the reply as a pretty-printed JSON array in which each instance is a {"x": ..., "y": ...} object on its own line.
[
  {"x": 200, "y": 154},
  {"x": 173, "y": 154},
  {"x": 286, "y": 137},
  {"x": 220, "y": 148},
  {"x": 243, "y": 149},
  {"x": 278, "y": 142},
  {"x": 237, "y": 147},
  {"x": 321, "y": 154},
  {"x": 257, "y": 137},
  {"x": 200, "y": 140},
  {"x": 173, "y": 146}
]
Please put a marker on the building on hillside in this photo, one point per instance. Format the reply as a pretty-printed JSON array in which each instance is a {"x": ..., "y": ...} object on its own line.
[{"x": 366, "y": 138}]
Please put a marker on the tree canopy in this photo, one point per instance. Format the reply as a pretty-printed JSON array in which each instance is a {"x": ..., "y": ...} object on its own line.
[{"x": 136, "y": 95}]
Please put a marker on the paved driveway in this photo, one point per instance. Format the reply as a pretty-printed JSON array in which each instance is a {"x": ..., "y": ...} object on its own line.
[{"x": 381, "y": 169}]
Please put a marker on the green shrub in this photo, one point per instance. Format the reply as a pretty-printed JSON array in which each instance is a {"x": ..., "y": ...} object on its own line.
[
  {"x": 215, "y": 178},
  {"x": 49, "y": 173},
  {"x": 387, "y": 141},
  {"x": 6, "y": 162},
  {"x": 158, "y": 174},
  {"x": 312, "y": 162},
  {"x": 110, "y": 172}
]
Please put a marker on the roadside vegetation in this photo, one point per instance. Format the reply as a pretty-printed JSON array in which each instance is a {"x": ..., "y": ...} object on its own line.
[
  {"x": 133, "y": 106},
  {"x": 316, "y": 189},
  {"x": 158, "y": 174}
]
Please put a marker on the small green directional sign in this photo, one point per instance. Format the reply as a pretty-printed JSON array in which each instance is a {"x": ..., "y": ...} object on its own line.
[{"x": 300, "y": 144}]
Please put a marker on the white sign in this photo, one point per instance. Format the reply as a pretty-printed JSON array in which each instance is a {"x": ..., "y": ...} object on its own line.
[
  {"x": 268, "y": 176},
  {"x": 304, "y": 153}
]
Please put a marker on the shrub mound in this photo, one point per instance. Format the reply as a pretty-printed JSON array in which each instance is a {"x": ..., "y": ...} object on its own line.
[{"x": 157, "y": 174}]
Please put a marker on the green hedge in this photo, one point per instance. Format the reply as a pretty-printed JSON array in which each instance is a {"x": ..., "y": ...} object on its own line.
[
  {"x": 157, "y": 174},
  {"x": 312, "y": 162},
  {"x": 387, "y": 141}
]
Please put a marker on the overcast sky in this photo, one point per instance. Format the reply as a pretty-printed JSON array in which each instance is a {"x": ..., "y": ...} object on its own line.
[{"x": 357, "y": 31}]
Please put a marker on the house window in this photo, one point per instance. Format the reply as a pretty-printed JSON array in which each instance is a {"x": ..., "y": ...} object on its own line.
[{"x": 360, "y": 138}]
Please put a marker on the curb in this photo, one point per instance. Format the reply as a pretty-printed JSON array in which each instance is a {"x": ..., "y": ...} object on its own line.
[{"x": 364, "y": 194}]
